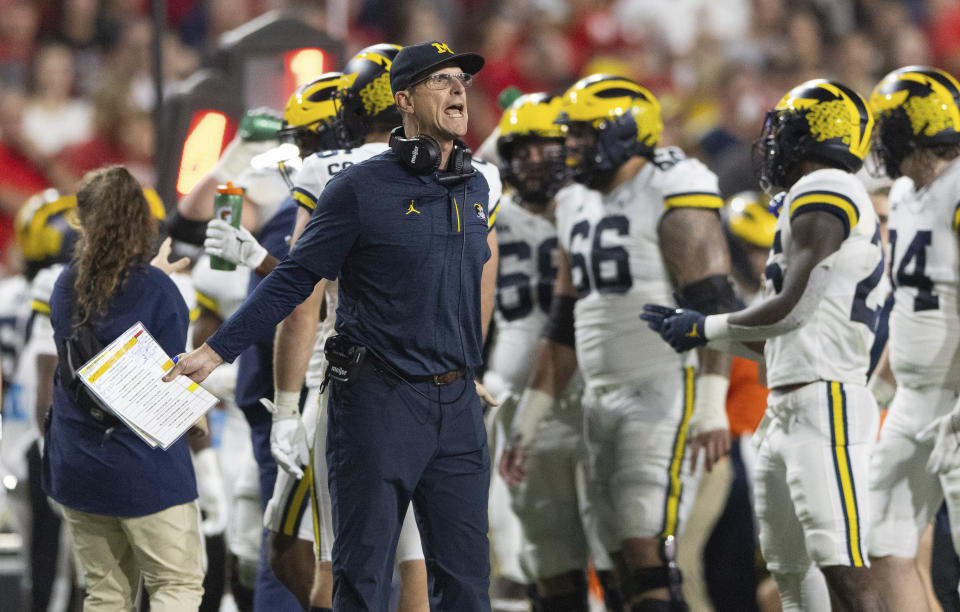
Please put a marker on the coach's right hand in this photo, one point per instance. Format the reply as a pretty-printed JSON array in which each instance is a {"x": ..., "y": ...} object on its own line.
[{"x": 196, "y": 365}]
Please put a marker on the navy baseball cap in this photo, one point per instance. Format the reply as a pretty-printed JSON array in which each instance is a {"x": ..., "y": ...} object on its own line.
[{"x": 418, "y": 60}]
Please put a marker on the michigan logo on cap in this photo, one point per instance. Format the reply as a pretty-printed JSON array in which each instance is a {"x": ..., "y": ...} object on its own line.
[{"x": 442, "y": 48}]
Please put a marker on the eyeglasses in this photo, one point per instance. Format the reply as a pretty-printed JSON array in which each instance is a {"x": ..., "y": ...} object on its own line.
[{"x": 444, "y": 80}]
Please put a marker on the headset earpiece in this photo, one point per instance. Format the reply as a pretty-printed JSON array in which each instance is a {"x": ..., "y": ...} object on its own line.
[{"x": 421, "y": 153}]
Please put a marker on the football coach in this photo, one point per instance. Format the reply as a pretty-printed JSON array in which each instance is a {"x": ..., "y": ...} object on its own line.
[{"x": 406, "y": 233}]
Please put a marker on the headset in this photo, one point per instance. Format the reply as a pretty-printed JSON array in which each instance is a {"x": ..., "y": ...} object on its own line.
[{"x": 422, "y": 155}]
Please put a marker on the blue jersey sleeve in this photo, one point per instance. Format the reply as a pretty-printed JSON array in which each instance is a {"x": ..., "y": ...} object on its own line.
[
  {"x": 332, "y": 230},
  {"x": 274, "y": 298}
]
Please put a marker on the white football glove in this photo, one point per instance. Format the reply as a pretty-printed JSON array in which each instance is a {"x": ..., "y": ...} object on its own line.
[
  {"x": 945, "y": 433},
  {"x": 288, "y": 437},
  {"x": 211, "y": 494},
  {"x": 235, "y": 244},
  {"x": 237, "y": 157}
]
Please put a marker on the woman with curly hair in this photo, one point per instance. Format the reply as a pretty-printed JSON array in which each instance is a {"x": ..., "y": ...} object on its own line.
[{"x": 131, "y": 509}]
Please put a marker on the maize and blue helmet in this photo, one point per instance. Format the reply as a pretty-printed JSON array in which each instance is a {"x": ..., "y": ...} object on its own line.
[
  {"x": 821, "y": 121},
  {"x": 367, "y": 102},
  {"x": 915, "y": 107},
  {"x": 537, "y": 174},
  {"x": 311, "y": 114},
  {"x": 625, "y": 118}
]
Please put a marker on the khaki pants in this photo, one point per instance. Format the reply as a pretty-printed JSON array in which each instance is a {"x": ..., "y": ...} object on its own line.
[{"x": 165, "y": 548}]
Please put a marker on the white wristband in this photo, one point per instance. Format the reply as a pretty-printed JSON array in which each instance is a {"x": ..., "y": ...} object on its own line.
[
  {"x": 533, "y": 405},
  {"x": 715, "y": 327},
  {"x": 710, "y": 404},
  {"x": 287, "y": 404}
]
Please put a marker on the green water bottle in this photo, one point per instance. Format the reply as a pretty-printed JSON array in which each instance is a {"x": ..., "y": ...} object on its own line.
[
  {"x": 259, "y": 124},
  {"x": 227, "y": 206}
]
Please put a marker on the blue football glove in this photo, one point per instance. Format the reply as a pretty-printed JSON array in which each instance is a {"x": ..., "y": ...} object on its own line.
[{"x": 681, "y": 328}]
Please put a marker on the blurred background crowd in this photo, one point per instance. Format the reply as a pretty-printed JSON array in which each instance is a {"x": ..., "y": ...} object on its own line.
[{"x": 76, "y": 89}]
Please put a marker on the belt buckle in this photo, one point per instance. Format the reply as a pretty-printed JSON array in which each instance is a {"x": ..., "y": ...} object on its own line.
[{"x": 441, "y": 380}]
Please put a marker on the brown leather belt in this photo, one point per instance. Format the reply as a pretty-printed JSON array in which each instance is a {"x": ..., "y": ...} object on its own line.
[{"x": 438, "y": 380}]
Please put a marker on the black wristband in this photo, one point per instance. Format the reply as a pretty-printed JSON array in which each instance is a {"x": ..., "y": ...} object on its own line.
[
  {"x": 559, "y": 327},
  {"x": 186, "y": 230}
]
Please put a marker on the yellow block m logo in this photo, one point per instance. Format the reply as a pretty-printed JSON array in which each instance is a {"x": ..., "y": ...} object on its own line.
[{"x": 442, "y": 48}]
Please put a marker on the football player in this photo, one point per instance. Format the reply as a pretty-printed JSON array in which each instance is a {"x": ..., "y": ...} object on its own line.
[
  {"x": 552, "y": 551},
  {"x": 817, "y": 318},
  {"x": 45, "y": 239},
  {"x": 917, "y": 110},
  {"x": 639, "y": 223}
]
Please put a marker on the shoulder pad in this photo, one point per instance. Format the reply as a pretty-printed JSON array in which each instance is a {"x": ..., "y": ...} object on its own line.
[
  {"x": 41, "y": 288},
  {"x": 687, "y": 183},
  {"x": 666, "y": 157}
]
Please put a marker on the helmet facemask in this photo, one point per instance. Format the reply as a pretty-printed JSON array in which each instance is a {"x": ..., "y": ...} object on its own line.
[
  {"x": 780, "y": 150},
  {"x": 321, "y": 135},
  {"x": 535, "y": 167},
  {"x": 594, "y": 154}
]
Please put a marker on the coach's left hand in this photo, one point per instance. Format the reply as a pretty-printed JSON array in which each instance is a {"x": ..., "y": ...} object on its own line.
[{"x": 485, "y": 396}]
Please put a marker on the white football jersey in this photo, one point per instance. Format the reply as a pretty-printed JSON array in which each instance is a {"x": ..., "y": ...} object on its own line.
[
  {"x": 219, "y": 291},
  {"x": 613, "y": 247},
  {"x": 320, "y": 167},
  {"x": 268, "y": 179},
  {"x": 924, "y": 325},
  {"x": 20, "y": 426},
  {"x": 528, "y": 267},
  {"x": 834, "y": 344},
  {"x": 14, "y": 313},
  {"x": 317, "y": 171}
]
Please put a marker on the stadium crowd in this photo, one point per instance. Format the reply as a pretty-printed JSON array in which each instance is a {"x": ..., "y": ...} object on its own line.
[{"x": 569, "y": 369}]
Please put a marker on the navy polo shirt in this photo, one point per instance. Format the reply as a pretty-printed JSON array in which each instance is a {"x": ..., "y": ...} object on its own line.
[
  {"x": 409, "y": 254},
  {"x": 117, "y": 475}
]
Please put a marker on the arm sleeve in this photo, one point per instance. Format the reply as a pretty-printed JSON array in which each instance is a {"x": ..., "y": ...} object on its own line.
[
  {"x": 332, "y": 230},
  {"x": 274, "y": 298}
]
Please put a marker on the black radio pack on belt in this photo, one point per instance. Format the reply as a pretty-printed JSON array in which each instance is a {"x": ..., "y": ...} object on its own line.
[
  {"x": 422, "y": 155},
  {"x": 343, "y": 357}
]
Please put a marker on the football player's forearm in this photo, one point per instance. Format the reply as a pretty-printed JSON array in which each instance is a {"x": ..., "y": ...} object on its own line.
[
  {"x": 198, "y": 204},
  {"x": 267, "y": 265},
  {"x": 713, "y": 362},
  {"x": 296, "y": 336},
  {"x": 555, "y": 366},
  {"x": 817, "y": 235}
]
